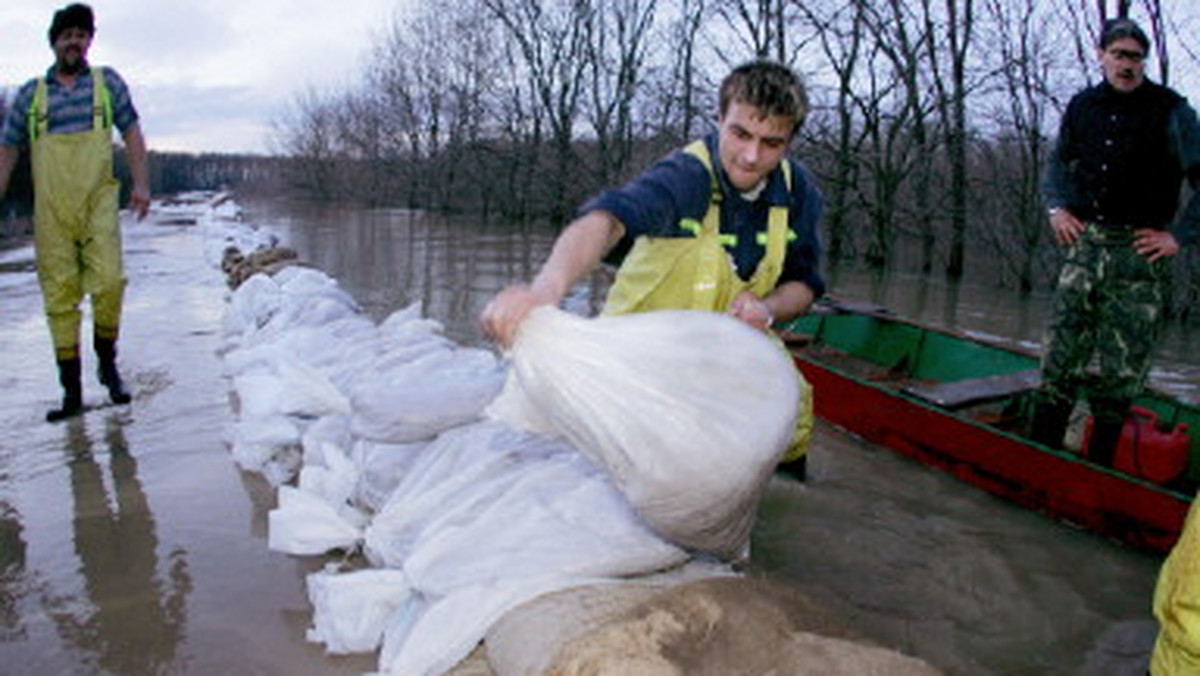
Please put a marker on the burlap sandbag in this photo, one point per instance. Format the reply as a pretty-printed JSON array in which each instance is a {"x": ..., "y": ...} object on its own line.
[{"x": 710, "y": 627}]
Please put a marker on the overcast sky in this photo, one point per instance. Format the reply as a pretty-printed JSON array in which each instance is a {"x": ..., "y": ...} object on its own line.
[{"x": 207, "y": 75}]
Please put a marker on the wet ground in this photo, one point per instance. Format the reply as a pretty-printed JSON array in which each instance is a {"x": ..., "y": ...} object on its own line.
[{"x": 131, "y": 544}]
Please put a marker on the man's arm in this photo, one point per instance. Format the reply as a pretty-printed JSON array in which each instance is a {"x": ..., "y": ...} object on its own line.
[
  {"x": 8, "y": 160},
  {"x": 577, "y": 251},
  {"x": 1067, "y": 228},
  {"x": 1184, "y": 132},
  {"x": 139, "y": 169}
]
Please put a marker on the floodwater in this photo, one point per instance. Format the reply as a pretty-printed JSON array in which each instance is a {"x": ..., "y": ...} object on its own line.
[{"x": 130, "y": 543}]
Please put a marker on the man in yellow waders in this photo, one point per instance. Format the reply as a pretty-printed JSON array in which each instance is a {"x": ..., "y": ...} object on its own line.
[
  {"x": 736, "y": 235},
  {"x": 1177, "y": 604},
  {"x": 66, "y": 118}
]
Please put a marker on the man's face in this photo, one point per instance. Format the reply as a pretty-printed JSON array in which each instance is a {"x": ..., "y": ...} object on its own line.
[
  {"x": 750, "y": 144},
  {"x": 1124, "y": 64},
  {"x": 71, "y": 48}
]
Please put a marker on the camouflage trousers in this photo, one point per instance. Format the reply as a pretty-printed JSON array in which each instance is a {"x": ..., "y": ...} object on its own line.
[{"x": 1108, "y": 305}]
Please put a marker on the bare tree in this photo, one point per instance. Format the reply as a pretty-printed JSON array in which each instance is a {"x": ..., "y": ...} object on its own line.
[
  {"x": 906, "y": 39},
  {"x": 306, "y": 131},
  {"x": 760, "y": 27},
  {"x": 680, "y": 97},
  {"x": 551, "y": 38},
  {"x": 840, "y": 34},
  {"x": 956, "y": 33},
  {"x": 1020, "y": 37},
  {"x": 616, "y": 48}
]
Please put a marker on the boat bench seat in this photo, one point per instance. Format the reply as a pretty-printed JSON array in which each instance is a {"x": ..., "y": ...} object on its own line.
[{"x": 959, "y": 393}]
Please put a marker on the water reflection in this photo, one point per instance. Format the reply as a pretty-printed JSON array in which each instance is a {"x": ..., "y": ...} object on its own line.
[
  {"x": 131, "y": 620},
  {"x": 452, "y": 265},
  {"x": 12, "y": 573}
]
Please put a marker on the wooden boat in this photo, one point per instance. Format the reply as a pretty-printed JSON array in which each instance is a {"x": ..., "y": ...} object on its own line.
[{"x": 953, "y": 401}]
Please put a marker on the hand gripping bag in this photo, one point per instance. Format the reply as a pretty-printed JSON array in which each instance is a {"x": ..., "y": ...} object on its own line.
[{"x": 688, "y": 411}]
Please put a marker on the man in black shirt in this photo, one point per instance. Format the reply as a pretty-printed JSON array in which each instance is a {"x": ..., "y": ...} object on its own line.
[{"x": 1112, "y": 189}]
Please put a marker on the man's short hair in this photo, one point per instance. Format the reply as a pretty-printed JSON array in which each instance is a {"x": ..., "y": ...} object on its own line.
[
  {"x": 1115, "y": 29},
  {"x": 74, "y": 15},
  {"x": 772, "y": 88}
]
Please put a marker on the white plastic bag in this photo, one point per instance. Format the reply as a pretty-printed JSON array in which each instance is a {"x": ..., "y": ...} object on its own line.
[
  {"x": 689, "y": 411},
  {"x": 304, "y": 523},
  {"x": 352, "y": 610}
]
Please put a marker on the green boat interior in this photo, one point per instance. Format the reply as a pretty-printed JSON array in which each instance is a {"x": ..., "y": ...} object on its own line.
[{"x": 966, "y": 376}]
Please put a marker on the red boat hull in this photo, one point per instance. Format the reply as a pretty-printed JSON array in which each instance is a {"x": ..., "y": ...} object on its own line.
[{"x": 1054, "y": 483}]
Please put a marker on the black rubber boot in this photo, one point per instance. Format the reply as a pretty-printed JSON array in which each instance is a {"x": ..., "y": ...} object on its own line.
[
  {"x": 1048, "y": 423},
  {"x": 72, "y": 401},
  {"x": 796, "y": 469},
  {"x": 106, "y": 350},
  {"x": 1106, "y": 433}
]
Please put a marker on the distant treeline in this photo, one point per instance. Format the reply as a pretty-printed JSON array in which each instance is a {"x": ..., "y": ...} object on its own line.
[
  {"x": 930, "y": 127},
  {"x": 169, "y": 173}
]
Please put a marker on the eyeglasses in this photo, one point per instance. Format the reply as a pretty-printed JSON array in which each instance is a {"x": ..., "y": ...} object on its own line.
[{"x": 1127, "y": 55}]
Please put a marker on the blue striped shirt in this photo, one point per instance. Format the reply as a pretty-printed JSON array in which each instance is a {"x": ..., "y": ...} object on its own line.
[{"x": 70, "y": 109}]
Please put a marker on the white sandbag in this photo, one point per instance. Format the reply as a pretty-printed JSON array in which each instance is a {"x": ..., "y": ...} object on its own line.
[
  {"x": 569, "y": 522},
  {"x": 330, "y": 429},
  {"x": 485, "y": 519},
  {"x": 382, "y": 466},
  {"x": 418, "y": 400},
  {"x": 455, "y": 477},
  {"x": 256, "y": 441},
  {"x": 407, "y": 325},
  {"x": 689, "y": 411},
  {"x": 333, "y": 480},
  {"x": 430, "y": 638},
  {"x": 252, "y": 305},
  {"x": 303, "y": 523},
  {"x": 351, "y": 610},
  {"x": 284, "y": 385},
  {"x": 304, "y": 281}
]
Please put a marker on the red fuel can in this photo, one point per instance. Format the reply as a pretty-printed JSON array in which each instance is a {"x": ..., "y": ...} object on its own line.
[{"x": 1146, "y": 449}]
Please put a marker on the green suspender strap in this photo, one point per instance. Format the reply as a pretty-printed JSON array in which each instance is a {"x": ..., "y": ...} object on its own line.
[{"x": 39, "y": 108}]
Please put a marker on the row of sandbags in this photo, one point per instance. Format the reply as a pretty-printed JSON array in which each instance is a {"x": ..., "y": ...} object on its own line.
[{"x": 472, "y": 482}]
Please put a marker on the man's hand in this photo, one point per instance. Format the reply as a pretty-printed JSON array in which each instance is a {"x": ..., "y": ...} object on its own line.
[
  {"x": 1154, "y": 244},
  {"x": 1066, "y": 227},
  {"x": 753, "y": 310},
  {"x": 139, "y": 202},
  {"x": 504, "y": 313}
]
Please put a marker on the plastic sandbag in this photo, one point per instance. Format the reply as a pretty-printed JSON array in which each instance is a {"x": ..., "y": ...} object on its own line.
[
  {"x": 251, "y": 306},
  {"x": 351, "y": 610},
  {"x": 303, "y": 523},
  {"x": 486, "y": 518},
  {"x": 382, "y": 467},
  {"x": 287, "y": 386},
  {"x": 689, "y": 411},
  {"x": 256, "y": 441},
  {"x": 418, "y": 400}
]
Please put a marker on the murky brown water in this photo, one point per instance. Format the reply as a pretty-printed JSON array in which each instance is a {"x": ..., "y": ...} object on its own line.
[{"x": 131, "y": 544}]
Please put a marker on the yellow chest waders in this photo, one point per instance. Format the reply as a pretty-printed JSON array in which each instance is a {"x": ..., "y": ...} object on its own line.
[
  {"x": 76, "y": 232},
  {"x": 1177, "y": 604},
  {"x": 696, "y": 273}
]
